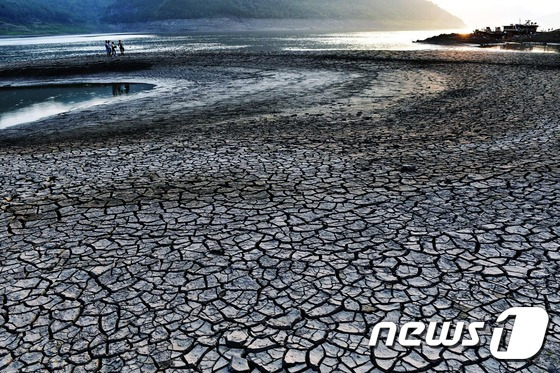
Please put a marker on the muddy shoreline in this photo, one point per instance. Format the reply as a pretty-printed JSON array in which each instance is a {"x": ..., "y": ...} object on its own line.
[{"x": 213, "y": 69}]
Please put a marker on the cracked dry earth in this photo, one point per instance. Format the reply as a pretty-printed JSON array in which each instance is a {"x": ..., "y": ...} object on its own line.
[{"x": 262, "y": 212}]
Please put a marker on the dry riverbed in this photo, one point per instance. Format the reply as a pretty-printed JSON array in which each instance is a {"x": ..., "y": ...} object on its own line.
[{"x": 263, "y": 211}]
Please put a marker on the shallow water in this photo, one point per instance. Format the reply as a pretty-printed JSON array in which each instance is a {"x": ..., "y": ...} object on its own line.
[
  {"x": 526, "y": 47},
  {"x": 33, "y": 48},
  {"x": 50, "y": 47},
  {"x": 27, "y": 104}
]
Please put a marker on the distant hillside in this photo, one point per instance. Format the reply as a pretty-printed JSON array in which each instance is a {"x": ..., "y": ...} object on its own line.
[
  {"x": 421, "y": 12},
  {"x": 21, "y": 16},
  {"x": 29, "y": 11},
  {"x": 56, "y": 11}
]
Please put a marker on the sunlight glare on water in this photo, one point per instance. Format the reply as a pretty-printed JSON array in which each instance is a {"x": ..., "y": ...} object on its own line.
[
  {"x": 43, "y": 110},
  {"x": 28, "y": 104},
  {"x": 65, "y": 39},
  {"x": 53, "y": 47},
  {"x": 378, "y": 40}
]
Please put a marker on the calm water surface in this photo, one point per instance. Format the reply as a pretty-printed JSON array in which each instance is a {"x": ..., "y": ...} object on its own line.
[
  {"x": 49, "y": 47},
  {"x": 33, "y": 48},
  {"x": 27, "y": 104}
]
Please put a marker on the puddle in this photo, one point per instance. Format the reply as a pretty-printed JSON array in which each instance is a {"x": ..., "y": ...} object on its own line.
[{"x": 20, "y": 105}]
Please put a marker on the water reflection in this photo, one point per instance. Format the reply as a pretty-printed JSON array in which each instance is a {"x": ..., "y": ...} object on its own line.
[
  {"x": 48, "y": 48},
  {"x": 121, "y": 89},
  {"x": 527, "y": 47},
  {"x": 52, "y": 47},
  {"x": 27, "y": 104}
]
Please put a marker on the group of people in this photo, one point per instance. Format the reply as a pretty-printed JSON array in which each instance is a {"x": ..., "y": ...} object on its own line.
[{"x": 111, "y": 48}]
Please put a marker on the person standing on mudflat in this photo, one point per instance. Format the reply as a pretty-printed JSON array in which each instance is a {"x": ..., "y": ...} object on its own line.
[
  {"x": 121, "y": 47},
  {"x": 108, "y": 48}
]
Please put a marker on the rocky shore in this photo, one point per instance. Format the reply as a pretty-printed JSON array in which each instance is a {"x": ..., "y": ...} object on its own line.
[
  {"x": 262, "y": 211},
  {"x": 480, "y": 38}
]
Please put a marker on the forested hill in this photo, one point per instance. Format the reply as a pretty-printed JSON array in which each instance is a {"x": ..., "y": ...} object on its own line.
[
  {"x": 19, "y": 16},
  {"x": 411, "y": 11},
  {"x": 81, "y": 13}
]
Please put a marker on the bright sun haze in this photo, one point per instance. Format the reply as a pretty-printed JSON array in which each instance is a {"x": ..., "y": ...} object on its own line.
[{"x": 482, "y": 13}]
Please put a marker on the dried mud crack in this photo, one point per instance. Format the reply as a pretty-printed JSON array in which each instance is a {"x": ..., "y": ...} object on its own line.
[{"x": 261, "y": 212}]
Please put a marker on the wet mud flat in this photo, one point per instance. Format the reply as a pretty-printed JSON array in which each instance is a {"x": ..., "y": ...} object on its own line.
[{"x": 263, "y": 211}]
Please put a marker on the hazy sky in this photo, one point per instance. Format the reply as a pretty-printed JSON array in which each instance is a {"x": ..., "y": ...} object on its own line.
[{"x": 481, "y": 13}]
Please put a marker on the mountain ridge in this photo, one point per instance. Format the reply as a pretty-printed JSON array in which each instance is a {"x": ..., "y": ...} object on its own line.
[{"x": 32, "y": 14}]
